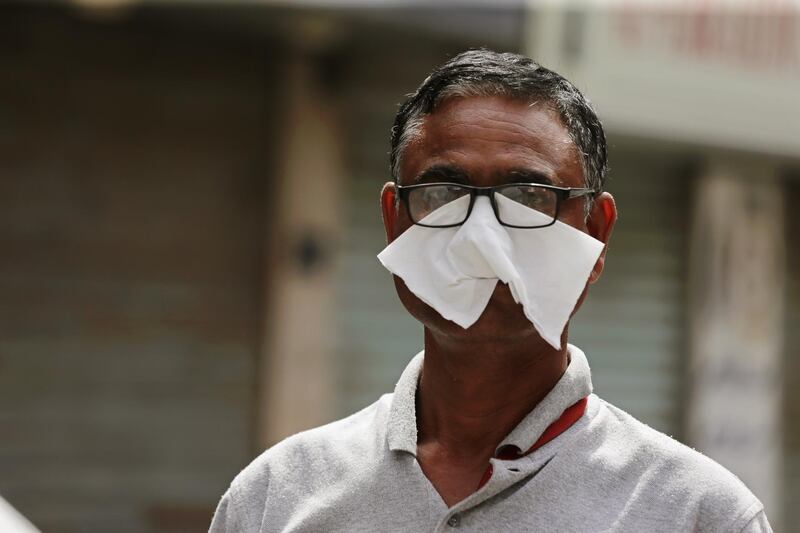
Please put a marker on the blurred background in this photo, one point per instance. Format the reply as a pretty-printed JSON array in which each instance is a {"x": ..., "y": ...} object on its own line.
[{"x": 189, "y": 220}]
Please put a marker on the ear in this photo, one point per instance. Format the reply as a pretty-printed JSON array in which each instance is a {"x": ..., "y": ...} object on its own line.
[
  {"x": 389, "y": 210},
  {"x": 599, "y": 225}
]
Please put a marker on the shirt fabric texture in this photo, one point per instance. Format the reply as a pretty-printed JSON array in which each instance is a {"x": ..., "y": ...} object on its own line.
[{"x": 606, "y": 472}]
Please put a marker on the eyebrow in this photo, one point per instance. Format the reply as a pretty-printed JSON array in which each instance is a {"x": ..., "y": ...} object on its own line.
[
  {"x": 454, "y": 174},
  {"x": 527, "y": 175},
  {"x": 447, "y": 173}
]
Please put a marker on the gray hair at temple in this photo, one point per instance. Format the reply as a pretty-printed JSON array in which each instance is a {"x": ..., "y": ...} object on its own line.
[{"x": 488, "y": 73}]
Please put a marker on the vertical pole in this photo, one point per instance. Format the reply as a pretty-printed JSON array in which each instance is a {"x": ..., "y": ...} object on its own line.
[
  {"x": 737, "y": 284},
  {"x": 296, "y": 390}
]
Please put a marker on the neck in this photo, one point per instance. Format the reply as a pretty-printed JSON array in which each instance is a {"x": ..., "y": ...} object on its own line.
[{"x": 472, "y": 394}]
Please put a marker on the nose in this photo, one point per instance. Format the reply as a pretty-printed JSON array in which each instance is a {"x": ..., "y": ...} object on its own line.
[{"x": 482, "y": 206}]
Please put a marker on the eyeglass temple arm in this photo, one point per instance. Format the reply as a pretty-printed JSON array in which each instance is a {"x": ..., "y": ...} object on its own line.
[{"x": 577, "y": 193}]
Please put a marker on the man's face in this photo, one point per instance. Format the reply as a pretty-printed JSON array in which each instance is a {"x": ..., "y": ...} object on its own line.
[{"x": 485, "y": 141}]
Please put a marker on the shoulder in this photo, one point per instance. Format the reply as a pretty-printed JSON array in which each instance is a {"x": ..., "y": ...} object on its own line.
[
  {"x": 360, "y": 434},
  {"x": 303, "y": 464},
  {"x": 324, "y": 450},
  {"x": 671, "y": 473}
]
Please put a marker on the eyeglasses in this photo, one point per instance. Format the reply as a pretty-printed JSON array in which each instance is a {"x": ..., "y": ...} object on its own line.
[{"x": 517, "y": 205}]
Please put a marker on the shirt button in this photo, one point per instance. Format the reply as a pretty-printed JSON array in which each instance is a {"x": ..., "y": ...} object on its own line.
[{"x": 454, "y": 521}]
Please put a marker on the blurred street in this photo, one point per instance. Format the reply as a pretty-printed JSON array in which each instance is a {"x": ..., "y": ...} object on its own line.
[{"x": 189, "y": 221}]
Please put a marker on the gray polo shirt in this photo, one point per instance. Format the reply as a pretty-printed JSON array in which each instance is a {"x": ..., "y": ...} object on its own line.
[{"x": 606, "y": 472}]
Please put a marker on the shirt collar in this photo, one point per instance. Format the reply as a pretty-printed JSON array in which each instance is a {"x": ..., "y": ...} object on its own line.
[
  {"x": 574, "y": 384},
  {"x": 402, "y": 430}
]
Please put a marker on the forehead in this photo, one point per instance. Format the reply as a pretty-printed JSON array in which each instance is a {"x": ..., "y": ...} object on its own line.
[{"x": 486, "y": 136}]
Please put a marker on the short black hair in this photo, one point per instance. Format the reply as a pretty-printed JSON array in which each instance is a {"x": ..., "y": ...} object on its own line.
[{"x": 485, "y": 72}]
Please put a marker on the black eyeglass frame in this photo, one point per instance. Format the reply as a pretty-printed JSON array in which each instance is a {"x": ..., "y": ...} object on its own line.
[{"x": 562, "y": 194}]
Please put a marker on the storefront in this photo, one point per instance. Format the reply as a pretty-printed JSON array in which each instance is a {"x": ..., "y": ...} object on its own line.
[{"x": 715, "y": 85}]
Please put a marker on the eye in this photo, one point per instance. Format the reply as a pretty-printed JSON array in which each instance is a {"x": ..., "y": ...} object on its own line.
[
  {"x": 539, "y": 198},
  {"x": 425, "y": 200},
  {"x": 436, "y": 196}
]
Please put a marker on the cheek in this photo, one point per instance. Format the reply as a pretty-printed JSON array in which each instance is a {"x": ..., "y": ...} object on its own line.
[
  {"x": 415, "y": 307},
  {"x": 573, "y": 214},
  {"x": 581, "y": 298},
  {"x": 403, "y": 220}
]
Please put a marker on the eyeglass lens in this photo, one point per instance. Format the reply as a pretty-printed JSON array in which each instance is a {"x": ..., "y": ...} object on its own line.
[
  {"x": 425, "y": 200},
  {"x": 517, "y": 205}
]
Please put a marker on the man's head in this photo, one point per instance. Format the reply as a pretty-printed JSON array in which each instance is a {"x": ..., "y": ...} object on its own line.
[
  {"x": 486, "y": 119},
  {"x": 487, "y": 73}
]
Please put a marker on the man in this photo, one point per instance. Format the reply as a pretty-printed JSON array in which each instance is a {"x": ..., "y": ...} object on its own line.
[{"x": 497, "y": 223}]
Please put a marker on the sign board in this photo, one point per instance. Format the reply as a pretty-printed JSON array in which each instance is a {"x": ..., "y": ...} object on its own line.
[{"x": 707, "y": 72}]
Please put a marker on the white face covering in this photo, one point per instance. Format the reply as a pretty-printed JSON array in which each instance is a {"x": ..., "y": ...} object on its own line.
[{"x": 455, "y": 270}]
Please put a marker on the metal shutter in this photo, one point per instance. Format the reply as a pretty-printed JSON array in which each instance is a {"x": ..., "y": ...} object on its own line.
[
  {"x": 131, "y": 277},
  {"x": 376, "y": 336},
  {"x": 791, "y": 374},
  {"x": 632, "y": 324}
]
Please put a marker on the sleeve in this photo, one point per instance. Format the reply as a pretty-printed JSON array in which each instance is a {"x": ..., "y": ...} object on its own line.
[
  {"x": 241, "y": 509},
  {"x": 223, "y": 521},
  {"x": 758, "y": 524},
  {"x": 235, "y": 514}
]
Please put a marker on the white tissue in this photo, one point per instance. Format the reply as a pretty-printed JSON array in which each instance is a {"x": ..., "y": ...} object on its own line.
[{"x": 455, "y": 270}]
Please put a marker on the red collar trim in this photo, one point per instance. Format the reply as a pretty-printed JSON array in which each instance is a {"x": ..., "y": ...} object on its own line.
[{"x": 570, "y": 415}]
